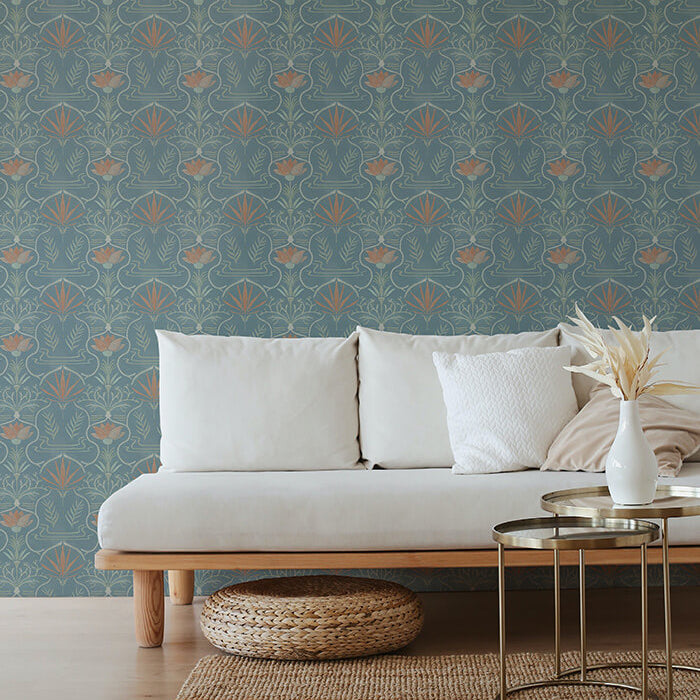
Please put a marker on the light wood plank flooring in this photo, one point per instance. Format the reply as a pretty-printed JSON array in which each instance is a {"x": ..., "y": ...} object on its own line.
[{"x": 75, "y": 648}]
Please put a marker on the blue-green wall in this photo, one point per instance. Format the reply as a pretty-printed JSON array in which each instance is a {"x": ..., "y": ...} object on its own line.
[{"x": 296, "y": 168}]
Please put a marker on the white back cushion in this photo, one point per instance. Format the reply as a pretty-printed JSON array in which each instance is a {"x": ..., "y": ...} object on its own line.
[
  {"x": 681, "y": 363},
  {"x": 254, "y": 404},
  {"x": 403, "y": 423},
  {"x": 504, "y": 409}
]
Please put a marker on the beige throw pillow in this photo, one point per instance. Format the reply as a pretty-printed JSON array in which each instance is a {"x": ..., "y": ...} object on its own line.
[{"x": 583, "y": 444}]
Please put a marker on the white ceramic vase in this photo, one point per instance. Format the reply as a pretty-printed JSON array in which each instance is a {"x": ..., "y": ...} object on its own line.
[{"x": 631, "y": 468}]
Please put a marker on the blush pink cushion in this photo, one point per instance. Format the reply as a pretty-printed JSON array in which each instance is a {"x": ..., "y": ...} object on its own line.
[{"x": 584, "y": 443}]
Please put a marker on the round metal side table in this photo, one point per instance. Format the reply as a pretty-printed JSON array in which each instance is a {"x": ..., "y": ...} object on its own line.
[
  {"x": 571, "y": 533},
  {"x": 671, "y": 501}
]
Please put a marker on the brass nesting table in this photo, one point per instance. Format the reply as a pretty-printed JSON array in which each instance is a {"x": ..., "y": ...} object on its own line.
[
  {"x": 572, "y": 533},
  {"x": 671, "y": 501}
]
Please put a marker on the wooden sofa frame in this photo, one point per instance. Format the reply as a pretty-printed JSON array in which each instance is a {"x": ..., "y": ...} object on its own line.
[{"x": 148, "y": 568}]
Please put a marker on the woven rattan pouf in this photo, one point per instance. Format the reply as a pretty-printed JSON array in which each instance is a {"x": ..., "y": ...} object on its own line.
[{"x": 312, "y": 617}]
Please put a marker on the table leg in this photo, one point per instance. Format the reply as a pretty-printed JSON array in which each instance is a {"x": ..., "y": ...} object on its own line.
[
  {"x": 502, "y": 618},
  {"x": 667, "y": 610},
  {"x": 557, "y": 616},
  {"x": 582, "y": 608},
  {"x": 645, "y": 617}
]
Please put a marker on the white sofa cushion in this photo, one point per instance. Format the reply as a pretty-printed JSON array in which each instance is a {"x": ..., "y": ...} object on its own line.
[
  {"x": 504, "y": 409},
  {"x": 256, "y": 404},
  {"x": 680, "y": 363},
  {"x": 381, "y": 509},
  {"x": 403, "y": 423}
]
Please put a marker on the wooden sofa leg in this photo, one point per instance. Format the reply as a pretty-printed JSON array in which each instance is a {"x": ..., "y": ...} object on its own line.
[
  {"x": 181, "y": 583},
  {"x": 149, "y": 608}
]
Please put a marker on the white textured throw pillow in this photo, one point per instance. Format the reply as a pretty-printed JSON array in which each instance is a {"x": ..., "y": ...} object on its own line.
[
  {"x": 255, "y": 404},
  {"x": 403, "y": 423},
  {"x": 504, "y": 409}
]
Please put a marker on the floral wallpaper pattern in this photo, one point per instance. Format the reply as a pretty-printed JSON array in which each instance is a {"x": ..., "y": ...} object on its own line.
[{"x": 296, "y": 167}]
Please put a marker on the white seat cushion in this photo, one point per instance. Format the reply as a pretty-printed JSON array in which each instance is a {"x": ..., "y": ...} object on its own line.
[
  {"x": 335, "y": 510},
  {"x": 679, "y": 364},
  {"x": 258, "y": 404},
  {"x": 403, "y": 422}
]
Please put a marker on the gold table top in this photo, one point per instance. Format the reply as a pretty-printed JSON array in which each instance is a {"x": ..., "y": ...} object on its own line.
[
  {"x": 575, "y": 533},
  {"x": 671, "y": 501}
]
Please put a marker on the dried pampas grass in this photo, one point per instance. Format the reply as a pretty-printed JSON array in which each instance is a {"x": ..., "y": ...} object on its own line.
[{"x": 624, "y": 365}]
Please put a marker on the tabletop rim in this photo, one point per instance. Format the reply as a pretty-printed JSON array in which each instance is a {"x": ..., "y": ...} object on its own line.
[
  {"x": 552, "y": 502},
  {"x": 640, "y": 532}
]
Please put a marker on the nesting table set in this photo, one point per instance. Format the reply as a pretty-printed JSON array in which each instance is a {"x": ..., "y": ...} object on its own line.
[{"x": 587, "y": 519}]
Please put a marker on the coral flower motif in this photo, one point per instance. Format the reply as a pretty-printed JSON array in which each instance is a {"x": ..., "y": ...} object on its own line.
[
  {"x": 16, "y": 256},
  {"x": 472, "y": 168},
  {"x": 16, "y": 80},
  {"x": 107, "y": 168},
  {"x": 16, "y": 432},
  {"x": 107, "y": 80},
  {"x": 472, "y": 256},
  {"x": 472, "y": 80},
  {"x": 654, "y": 169},
  {"x": 381, "y": 256},
  {"x": 198, "y": 168},
  {"x": 16, "y": 344},
  {"x": 654, "y": 257},
  {"x": 654, "y": 81},
  {"x": 107, "y": 432},
  {"x": 291, "y": 256},
  {"x": 199, "y": 256},
  {"x": 198, "y": 80},
  {"x": 380, "y": 168},
  {"x": 290, "y": 168},
  {"x": 16, "y": 520},
  {"x": 107, "y": 256},
  {"x": 563, "y": 81},
  {"x": 381, "y": 80},
  {"x": 16, "y": 168},
  {"x": 290, "y": 80},
  {"x": 107, "y": 344},
  {"x": 563, "y": 169},
  {"x": 563, "y": 257}
]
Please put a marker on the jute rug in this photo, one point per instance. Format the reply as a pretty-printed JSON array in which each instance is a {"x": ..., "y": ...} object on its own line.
[{"x": 467, "y": 677}]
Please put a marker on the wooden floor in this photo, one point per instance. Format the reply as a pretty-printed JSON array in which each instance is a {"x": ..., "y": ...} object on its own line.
[{"x": 83, "y": 648}]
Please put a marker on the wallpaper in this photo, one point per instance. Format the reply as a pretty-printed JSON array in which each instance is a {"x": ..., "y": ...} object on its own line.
[{"x": 295, "y": 168}]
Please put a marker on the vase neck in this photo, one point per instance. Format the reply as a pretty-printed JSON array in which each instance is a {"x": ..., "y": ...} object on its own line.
[{"x": 629, "y": 415}]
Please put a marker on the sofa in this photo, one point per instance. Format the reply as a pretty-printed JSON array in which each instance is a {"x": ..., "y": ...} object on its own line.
[{"x": 331, "y": 454}]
